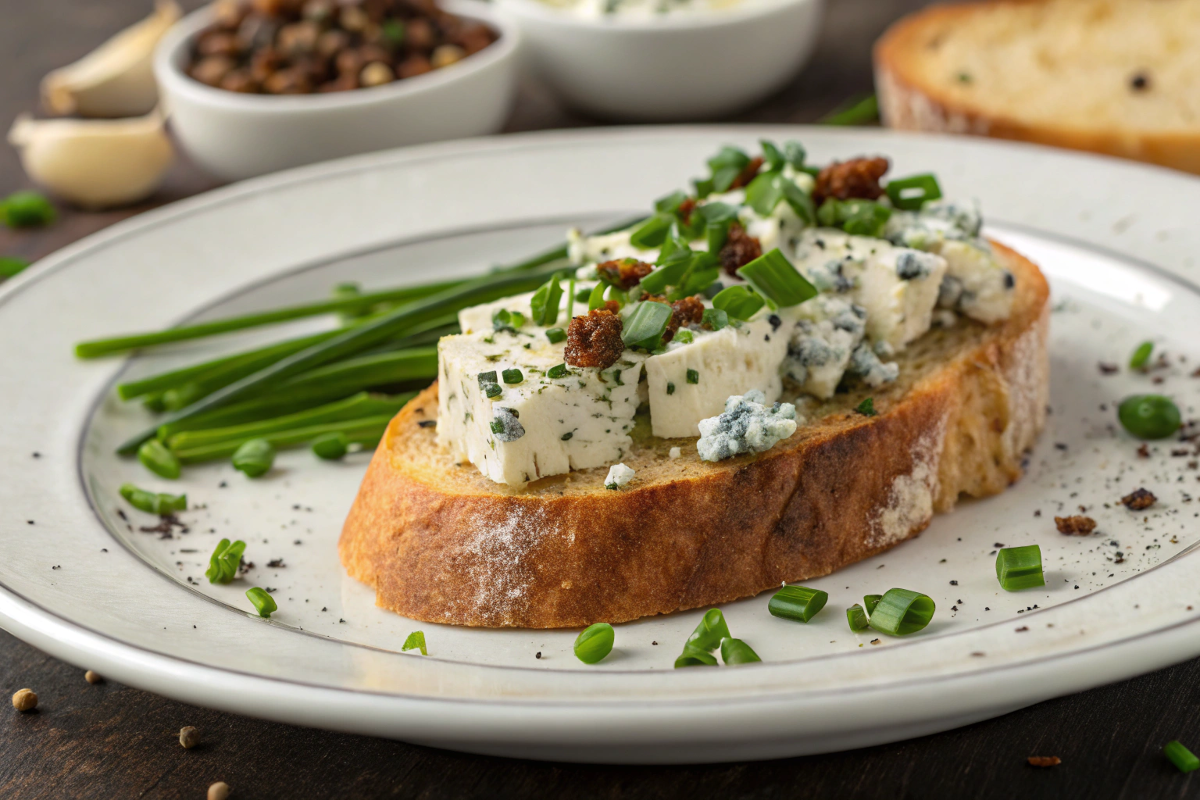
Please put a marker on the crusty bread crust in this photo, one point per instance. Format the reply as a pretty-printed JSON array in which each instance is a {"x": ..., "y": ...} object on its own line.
[
  {"x": 908, "y": 101},
  {"x": 441, "y": 543}
]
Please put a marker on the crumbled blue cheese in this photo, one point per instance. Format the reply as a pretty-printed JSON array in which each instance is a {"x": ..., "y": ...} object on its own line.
[
  {"x": 619, "y": 477},
  {"x": 542, "y": 426},
  {"x": 675, "y": 452},
  {"x": 746, "y": 426},
  {"x": 829, "y": 329},
  {"x": 866, "y": 365}
]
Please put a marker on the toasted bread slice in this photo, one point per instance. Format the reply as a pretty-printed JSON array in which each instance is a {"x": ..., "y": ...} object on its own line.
[
  {"x": 1119, "y": 77},
  {"x": 440, "y": 542}
]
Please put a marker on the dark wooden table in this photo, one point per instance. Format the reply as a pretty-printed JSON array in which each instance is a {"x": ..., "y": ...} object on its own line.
[{"x": 110, "y": 741}]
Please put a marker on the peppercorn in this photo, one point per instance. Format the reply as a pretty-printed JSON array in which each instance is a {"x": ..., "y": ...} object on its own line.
[
  {"x": 218, "y": 791},
  {"x": 25, "y": 700},
  {"x": 92, "y": 677},
  {"x": 447, "y": 54},
  {"x": 189, "y": 737}
]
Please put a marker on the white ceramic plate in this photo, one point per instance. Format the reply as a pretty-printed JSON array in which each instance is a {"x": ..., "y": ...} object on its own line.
[{"x": 1117, "y": 240}]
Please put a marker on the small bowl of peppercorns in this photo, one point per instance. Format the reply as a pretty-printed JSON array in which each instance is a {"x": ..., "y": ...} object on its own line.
[{"x": 255, "y": 86}]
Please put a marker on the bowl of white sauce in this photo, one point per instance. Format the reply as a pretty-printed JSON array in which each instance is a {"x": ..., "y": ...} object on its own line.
[{"x": 659, "y": 60}]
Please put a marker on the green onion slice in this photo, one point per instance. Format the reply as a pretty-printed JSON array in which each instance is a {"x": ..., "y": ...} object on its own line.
[
  {"x": 512, "y": 376},
  {"x": 715, "y": 318},
  {"x": 330, "y": 446},
  {"x": 263, "y": 603},
  {"x": 1020, "y": 567},
  {"x": 870, "y": 601},
  {"x": 557, "y": 371},
  {"x": 901, "y": 612},
  {"x": 670, "y": 204},
  {"x": 645, "y": 326},
  {"x": 709, "y": 633},
  {"x": 684, "y": 336},
  {"x": 774, "y": 277},
  {"x": 765, "y": 192},
  {"x": 911, "y": 193},
  {"x": 545, "y": 302},
  {"x": 155, "y": 457},
  {"x": 738, "y": 301},
  {"x": 1149, "y": 416},
  {"x": 726, "y": 165},
  {"x": 797, "y": 603},
  {"x": 653, "y": 232},
  {"x": 254, "y": 457},
  {"x": 856, "y": 617},
  {"x": 867, "y": 407},
  {"x": 1183, "y": 759},
  {"x": 695, "y": 657},
  {"x": 1141, "y": 355},
  {"x": 693, "y": 376},
  {"x": 735, "y": 651},
  {"x": 594, "y": 643},
  {"x": 772, "y": 156},
  {"x": 415, "y": 641},
  {"x": 224, "y": 562},
  {"x": 152, "y": 503},
  {"x": 596, "y": 298},
  {"x": 556, "y": 335}
]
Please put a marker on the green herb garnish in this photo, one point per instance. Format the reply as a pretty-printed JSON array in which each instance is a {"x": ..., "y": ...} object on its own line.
[
  {"x": 857, "y": 618},
  {"x": 645, "y": 326},
  {"x": 911, "y": 193},
  {"x": 1149, "y": 416},
  {"x": 27, "y": 209},
  {"x": 263, "y": 603},
  {"x": 735, "y": 651},
  {"x": 224, "y": 562},
  {"x": 155, "y": 457},
  {"x": 151, "y": 502},
  {"x": 594, "y": 643},
  {"x": 709, "y": 633},
  {"x": 901, "y": 612},
  {"x": 715, "y": 318},
  {"x": 867, "y": 407},
  {"x": 693, "y": 376},
  {"x": 546, "y": 301},
  {"x": 797, "y": 603},
  {"x": 779, "y": 283},
  {"x": 738, "y": 301},
  {"x": 1141, "y": 355},
  {"x": 11, "y": 265},
  {"x": 870, "y": 601},
  {"x": 330, "y": 446},
  {"x": 557, "y": 371},
  {"x": 556, "y": 335},
  {"x": 1183, "y": 759},
  {"x": 1020, "y": 567},
  {"x": 254, "y": 457},
  {"x": 859, "y": 112},
  {"x": 512, "y": 376},
  {"x": 415, "y": 641}
]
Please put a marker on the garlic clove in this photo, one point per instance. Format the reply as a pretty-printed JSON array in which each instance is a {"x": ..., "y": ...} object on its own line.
[
  {"x": 95, "y": 163},
  {"x": 115, "y": 79}
]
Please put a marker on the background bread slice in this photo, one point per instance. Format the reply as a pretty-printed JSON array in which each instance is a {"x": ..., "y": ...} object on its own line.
[
  {"x": 440, "y": 542},
  {"x": 1120, "y": 77}
]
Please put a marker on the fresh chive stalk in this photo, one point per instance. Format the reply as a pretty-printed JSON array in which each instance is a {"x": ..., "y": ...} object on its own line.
[
  {"x": 774, "y": 277},
  {"x": 695, "y": 657},
  {"x": 263, "y": 603},
  {"x": 224, "y": 562},
  {"x": 901, "y": 612},
  {"x": 155, "y": 457},
  {"x": 645, "y": 326},
  {"x": 859, "y": 112},
  {"x": 594, "y": 643},
  {"x": 415, "y": 641},
  {"x": 1183, "y": 759},
  {"x": 709, "y": 633},
  {"x": 1141, "y": 355},
  {"x": 254, "y": 457},
  {"x": 797, "y": 603},
  {"x": 152, "y": 502},
  {"x": 1020, "y": 567},
  {"x": 911, "y": 193},
  {"x": 856, "y": 617},
  {"x": 270, "y": 407},
  {"x": 355, "y": 430},
  {"x": 870, "y": 601},
  {"x": 738, "y": 301}
]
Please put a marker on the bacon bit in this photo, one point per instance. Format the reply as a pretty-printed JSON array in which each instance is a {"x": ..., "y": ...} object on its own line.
[
  {"x": 626, "y": 273},
  {"x": 1075, "y": 526},
  {"x": 688, "y": 311},
  {"x": 1044, "y": 761},
  {"x": 858, "y": 177},
  {"x": 1143, "y": 451},
  {"x": 745, "y": 176},
  {"x": 1139, "y": 500},
  {"x": 595, "y": 340},
  {"x": 685, "y": 210},
  {"x": 739, "y": 250},
  {"x": 1108, "y": 369}
]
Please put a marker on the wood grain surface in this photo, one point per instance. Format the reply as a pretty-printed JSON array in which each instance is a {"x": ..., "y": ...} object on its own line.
[{"x": 109, "y": 741}]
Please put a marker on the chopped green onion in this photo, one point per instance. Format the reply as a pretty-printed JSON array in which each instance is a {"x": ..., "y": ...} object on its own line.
[
  {"x": 1183, "y": 759},
  {"x": 695, "y": 657},
  {"x": 795, "y": 153},
  {"x": 27, "y": 209},
  {"x": 512, "y": 376},
  {"x": 704, "y": 187},
  {"x": 263, "y": 603},
  {"x": 594, "y": 643},
  {"x": 556, "y": 335},
  {"x": 153, "y": 503},
  {"x": 901, "y": 612},
  {"x": 870, "y": 601},
  {"x": 11, "y": 265},
  {"x": 570, "y": 301},
  {"x": 858, "y": 217},
  {"x": 857, "y": 618},
  {"x": 797, "y": 603},
  {"x": 331, "y": 446},
  {"x": 715, "y": 318},
  {"x": 911, "y": 193},
  {"x": 693, "y": 376},
  {"x": 764, "y": 192},
  {"x": 505, "y": 320},
  {"x": 224, "y": 562},
  {"x": 684, "y": 336},
  {"x": 738, "y": 301},
  {"x": 645, "y": 326},
  {"x": 735, "y": 651},
  {"x": 773, "y": 158},
  {"x": 1149, "y": 416},
  {"x": 557, "y": 371},
  {"x": 860, "y": 112},
  {"x": 709, "y": 633},
  {"x": 670, "y": 388},
  {"x": 867, "y": 407},
  {"x": 545, "y": 302},
  {"x": 583, "y": 294},
  {"x": 1141, "y": 355},
  {"x": 1020, "y": 567},
  {"x": 652, "y": 232},
  {"x": 415, "y": 641},
  {"x": 667, "y": 275},
  {"x": 254, "y": 457},
  {"x": 670, "y": 204},
  {"x": 596, "y": 297},
  {"x": 155, "y": 457},
  {"x": 774, "y": 277},
  {"x": 800, "y": 201},
  {"x": 726, "y": 165}
]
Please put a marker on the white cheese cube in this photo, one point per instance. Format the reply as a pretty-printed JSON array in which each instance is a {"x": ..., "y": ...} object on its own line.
[
  {"x": 975, "y": 283},
  {"x": 829, "y": 329},
  {"x": 618, "y": 476}
]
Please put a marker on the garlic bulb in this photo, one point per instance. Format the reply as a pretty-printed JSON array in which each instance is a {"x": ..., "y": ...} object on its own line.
[
  {"x": 95, "y": 163},
  {"x": 114, "y": 80}
]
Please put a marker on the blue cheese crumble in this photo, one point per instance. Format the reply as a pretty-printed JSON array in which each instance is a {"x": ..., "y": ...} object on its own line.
[
  {"x": 746, "y": 426},
  {"x": 619, "y": 477}
]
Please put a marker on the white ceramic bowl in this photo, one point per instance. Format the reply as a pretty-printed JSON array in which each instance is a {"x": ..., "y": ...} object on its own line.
[
  {"x": 678, "y": 66},
  {"x": 242, "y": 135}
]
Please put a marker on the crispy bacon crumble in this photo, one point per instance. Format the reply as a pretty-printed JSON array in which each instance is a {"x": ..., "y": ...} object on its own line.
[
  {"x": 1075, "y": 526},
  {"x": 594, "y": 340},
  {"x": 739, "y": 249},
  {"x": 624, "y": 273},
  {"x": 1139, "y": 499},
  {"x": 856, "y": 178}
]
